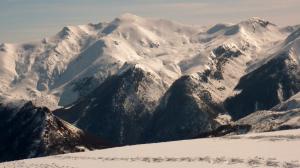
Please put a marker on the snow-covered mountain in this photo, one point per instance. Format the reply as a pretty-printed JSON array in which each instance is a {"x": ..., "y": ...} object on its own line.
[
  {"x": 275, "y": 79},
  {"x": 53, "y": 72},
  {"x": 56, "y": 68},
  {"x": 136, "y": 80},
  {"x": 192, "y": 83}
]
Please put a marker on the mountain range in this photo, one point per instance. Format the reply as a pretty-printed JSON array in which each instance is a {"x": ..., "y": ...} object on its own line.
[{"x": 138, "y": 80}]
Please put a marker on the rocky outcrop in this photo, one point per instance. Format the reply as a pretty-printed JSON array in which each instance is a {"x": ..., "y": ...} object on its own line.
[{"x": 28, "y": 131}]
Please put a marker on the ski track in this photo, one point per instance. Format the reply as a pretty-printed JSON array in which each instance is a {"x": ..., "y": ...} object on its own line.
[{"x": 214, "y": 161}]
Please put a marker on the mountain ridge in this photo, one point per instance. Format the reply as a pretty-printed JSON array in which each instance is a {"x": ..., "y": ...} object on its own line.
[{"x": 42, "y": 69}]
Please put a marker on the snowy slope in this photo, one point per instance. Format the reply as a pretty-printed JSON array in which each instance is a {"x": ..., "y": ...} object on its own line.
[
  {"x": 263, "y": 121},
  {"x": 291, "y": 103},
  {"x": 285, "y": 115},
  {"x": 274, "y": 149}
]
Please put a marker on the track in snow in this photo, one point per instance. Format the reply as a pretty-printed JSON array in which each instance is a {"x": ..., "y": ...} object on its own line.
[{"x": 273, "y": 149}]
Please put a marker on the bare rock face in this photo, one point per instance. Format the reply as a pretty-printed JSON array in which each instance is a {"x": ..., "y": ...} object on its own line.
[
  {"x": 185, "y": 111},
  {"x": 28, "y": 131},
  {"x": 265, "y": 87},
  {"x": 120, "y": 109}
]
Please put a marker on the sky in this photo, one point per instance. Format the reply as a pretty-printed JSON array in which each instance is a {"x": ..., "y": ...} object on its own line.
[{"x": 30, "y": 20}]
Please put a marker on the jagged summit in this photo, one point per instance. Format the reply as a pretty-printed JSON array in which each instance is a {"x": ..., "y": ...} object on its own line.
[
  {"x": 259, "y": 20},
  {"x": 257, "y": 26},
  {"x": 66, "y": 31},
  {"x": 245, "y": 25},
  {"x": 256, "y": 21}
]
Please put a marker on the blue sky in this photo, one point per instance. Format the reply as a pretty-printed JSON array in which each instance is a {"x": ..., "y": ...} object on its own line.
[{"x": 29, "y": 20}]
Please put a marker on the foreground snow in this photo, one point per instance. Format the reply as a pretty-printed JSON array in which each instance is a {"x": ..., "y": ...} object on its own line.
[{"x": 273, "y": 149}]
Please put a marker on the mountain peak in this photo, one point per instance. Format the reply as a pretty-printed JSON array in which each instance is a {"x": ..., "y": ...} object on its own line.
[
  {"x": 6, "y": 47},
  {"x": 66, "y": 31},
  {"x": 2, "y": 46},
  {"x": 128, "y": 17},
  {"x": 131, "y": 66},
  {"x": 257, "y": 21}
]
